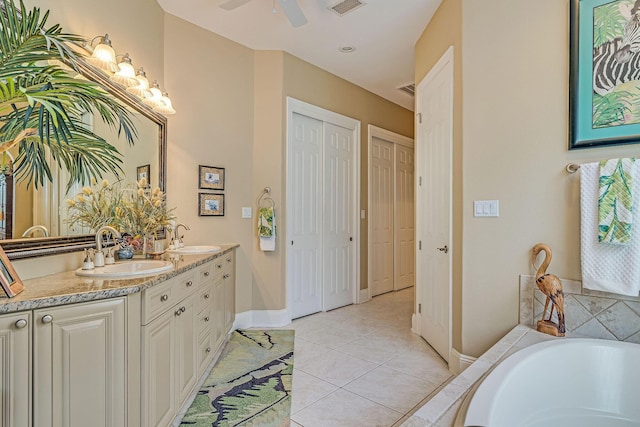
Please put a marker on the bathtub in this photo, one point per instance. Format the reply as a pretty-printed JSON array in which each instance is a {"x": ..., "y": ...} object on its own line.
[{"x": 570, "y": 382}]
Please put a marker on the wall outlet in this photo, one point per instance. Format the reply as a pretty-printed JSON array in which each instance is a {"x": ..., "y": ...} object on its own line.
[{"x": 246, "y": 213}]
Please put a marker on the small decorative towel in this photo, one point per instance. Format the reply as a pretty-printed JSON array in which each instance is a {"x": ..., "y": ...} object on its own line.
[
  {"x": 615, "y": 204},
  {"x": 606, "y": 268},
  {"x": 267, "y": 228}
]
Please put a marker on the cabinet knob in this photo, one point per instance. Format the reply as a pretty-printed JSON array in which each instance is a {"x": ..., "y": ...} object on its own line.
[
  {"x": 178, "y": 312},
  {"x": 229, "y": 260},
  {"x": 47, "y": 318},
  {"x": 21, "y": 323},
  {"x": 206, "y": 319},
  {"x": 219, "y": 266},
  {"x": 208, "y": 350},
  {"x": 189, "y": 283},
  {"x": 164, "y": 297},
  {"x": 206, "y": 274},
  {"x": 206, "y": 296},
  {"x": 226, "y": 276}
]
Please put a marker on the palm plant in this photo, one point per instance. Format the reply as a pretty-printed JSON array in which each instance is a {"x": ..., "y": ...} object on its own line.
[{"x": 41, "y": 103}]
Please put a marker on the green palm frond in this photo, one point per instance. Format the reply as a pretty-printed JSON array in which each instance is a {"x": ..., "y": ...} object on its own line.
[{"x": 39, "y": 95}]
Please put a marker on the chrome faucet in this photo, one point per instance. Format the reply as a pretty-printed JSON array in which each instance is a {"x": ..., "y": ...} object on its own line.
[
  {"x": 29, "y": 231},
  {"x": 185, "y": 226},
  {"x": 115, "y": 233}
]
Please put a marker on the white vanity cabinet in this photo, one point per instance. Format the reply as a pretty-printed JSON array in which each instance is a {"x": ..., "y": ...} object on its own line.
[
  {"x": 79, "y": 365},
  {"x": 15, "y": 369},
  {"x": 184, "y": 321}
]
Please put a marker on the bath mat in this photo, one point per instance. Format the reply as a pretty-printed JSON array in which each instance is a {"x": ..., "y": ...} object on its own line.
[{"x": 250, "y": 385}]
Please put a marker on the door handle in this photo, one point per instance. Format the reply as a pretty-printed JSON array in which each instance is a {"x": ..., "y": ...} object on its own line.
[{"x": 444, "y": 249}]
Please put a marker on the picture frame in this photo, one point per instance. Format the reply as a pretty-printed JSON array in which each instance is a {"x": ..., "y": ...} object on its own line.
[
  {"x": 210, "y": 204},
  {"x": 604, "y": 108},
  {"x": 9, "y": 279},
  {"x": 144, "y": 171},
  {"x": 210, "y": 178}
]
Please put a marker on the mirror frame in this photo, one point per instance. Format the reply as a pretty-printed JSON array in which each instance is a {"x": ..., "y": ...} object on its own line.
[{"x": 35, "y": 247}]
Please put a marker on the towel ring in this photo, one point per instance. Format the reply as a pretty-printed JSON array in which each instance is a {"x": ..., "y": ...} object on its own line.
[{"x": 262, "y": 199}]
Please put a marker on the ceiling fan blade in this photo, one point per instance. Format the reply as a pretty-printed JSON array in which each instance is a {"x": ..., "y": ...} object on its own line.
[
  {"x": 293, "y": 12},
  {"x": 232, "y": 4}
]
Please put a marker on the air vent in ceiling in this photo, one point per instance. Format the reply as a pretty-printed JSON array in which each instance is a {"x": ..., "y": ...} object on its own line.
[
  {"x": 410, "y": 89},
  {"x": 346, "y": 6}
]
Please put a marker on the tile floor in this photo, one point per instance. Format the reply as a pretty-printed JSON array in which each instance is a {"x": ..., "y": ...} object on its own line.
[{"x": 361, "y": 365}]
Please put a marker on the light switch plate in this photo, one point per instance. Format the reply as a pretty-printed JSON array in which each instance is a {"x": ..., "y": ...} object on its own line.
[
  {"x": 246, "y": 212},
  {"x": 486, "y": 208}
]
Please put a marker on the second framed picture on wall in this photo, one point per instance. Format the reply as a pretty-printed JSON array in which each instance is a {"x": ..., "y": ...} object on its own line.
[
  {"x": 210, "y": 204},
  {"x": 211, "y": 178}
]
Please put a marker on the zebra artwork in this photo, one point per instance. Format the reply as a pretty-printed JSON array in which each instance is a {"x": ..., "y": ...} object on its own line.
[{"x": 616, "y": 64}]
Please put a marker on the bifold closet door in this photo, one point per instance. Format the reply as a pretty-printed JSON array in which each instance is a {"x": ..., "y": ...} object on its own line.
[
  {"x": 305, "y": 259},
  {"x": 381, "y": 216},
  {"x": 338, "y": 233},
  {"x": 405, "y": 253}
]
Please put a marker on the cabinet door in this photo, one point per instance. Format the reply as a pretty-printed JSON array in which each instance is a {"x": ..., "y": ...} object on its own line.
[
  {"x": 218, "y": 312},
  {"x": 158, "y": 371},
  {"x": 15, "y": 369},
  {"x": 187, "y": 327},
  {"x": 229, "y": 284},
  {"x": 79, "y": 365}
]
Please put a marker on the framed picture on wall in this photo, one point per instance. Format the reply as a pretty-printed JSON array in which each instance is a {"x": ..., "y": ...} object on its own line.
[
  {"x": 210, "y": 204},
  {"x": 211, "y": 178},
  {"x": 604, "y": 94},
  {"x": 144, "y": 172}
]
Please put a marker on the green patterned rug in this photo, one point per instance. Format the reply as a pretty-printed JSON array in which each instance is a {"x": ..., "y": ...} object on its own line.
[{"x": 250, "y": 385}]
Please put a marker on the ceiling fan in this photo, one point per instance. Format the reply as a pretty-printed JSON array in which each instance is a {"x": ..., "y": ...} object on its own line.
[{"x": 290, "y": 8}]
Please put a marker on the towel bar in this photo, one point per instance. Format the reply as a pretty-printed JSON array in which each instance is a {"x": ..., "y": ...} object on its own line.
[{"x": 261, "y": 198}]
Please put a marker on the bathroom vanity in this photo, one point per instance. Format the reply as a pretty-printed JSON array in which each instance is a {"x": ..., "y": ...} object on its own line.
[{"x": 79, "y": 352}]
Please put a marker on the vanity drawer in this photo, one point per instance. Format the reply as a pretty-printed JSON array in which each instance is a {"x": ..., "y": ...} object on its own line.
[
  {"x": 207, "y": 272},
  {"x": 158, "y": 299},
  {"x": 186, "y": 284},
  {"x": 205, "y": 297},
  {"x": 205, "y": 353},
  {"x": 205, "y": 322},
  {"x": 218, "y": 265}
]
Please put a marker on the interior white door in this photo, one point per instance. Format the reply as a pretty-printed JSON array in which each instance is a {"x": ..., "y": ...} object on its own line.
[
  {"x": 339, "y": 260},
  {"x": 434, "y": 147},
  {"x": 381, "y": 216},
  {"x": 305, "y": 260},
  {"x": 405, "y": 248}
]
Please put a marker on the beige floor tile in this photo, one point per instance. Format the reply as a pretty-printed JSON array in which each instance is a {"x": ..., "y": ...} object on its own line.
[
  {"x": 372, "y": 350},
  {"x": 308, "y": 390},
  {"x": 329, "y": 336},
  {"x": 391, "y": 388},
  {"x": 345, "y": 409},
  {"x": 305, "y": 352},
  {"x": 335, "y": 367},
  {"x": 419, "y": 364},
  {"x": 295, "y": 424}
]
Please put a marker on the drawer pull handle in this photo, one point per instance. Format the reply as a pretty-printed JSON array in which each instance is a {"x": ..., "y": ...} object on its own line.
[
  {"x": 47, "y": 318},
  {"x": 164, "y": 297},
  {"x": 226, "y": 276},
  {"x": 229, "y": 259},
  {"x": 20, "y": 323},
  {"x": 189, "y": 283},
  {"x": 208, "y": 350},
  {"x": 206, "y": 274},
  {"x": 180, "y": 311},
  {"x": 206, "y": 296},
  {"x": 206, "y": 319}
]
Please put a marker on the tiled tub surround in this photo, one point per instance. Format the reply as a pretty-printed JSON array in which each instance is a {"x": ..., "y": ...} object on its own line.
[
  {"x": 67, "y": 288},
  {"x": 588, "y": 313}
]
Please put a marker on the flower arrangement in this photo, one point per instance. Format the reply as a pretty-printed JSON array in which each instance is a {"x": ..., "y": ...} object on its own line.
[{"x": 132, "y": 209}]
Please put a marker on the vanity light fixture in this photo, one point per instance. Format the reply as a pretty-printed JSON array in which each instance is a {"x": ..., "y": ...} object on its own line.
[
  {"x": 141, "y": 90},
  {"x": 165, "y": 106},
  {"x": 103, "y": 56},
  {"x": 156, "y": 95},
  {"x": 126, "y": 75}
]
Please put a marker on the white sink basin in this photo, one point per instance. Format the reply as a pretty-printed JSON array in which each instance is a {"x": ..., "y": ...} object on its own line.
[
  {"x": 191, "y": 250},
  {"x": 128, "y": 269}
]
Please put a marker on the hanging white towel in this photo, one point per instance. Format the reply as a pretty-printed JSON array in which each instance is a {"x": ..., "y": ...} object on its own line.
[
  {"x": 606, "y": 267},
  {"x": 267, "y": 229}
]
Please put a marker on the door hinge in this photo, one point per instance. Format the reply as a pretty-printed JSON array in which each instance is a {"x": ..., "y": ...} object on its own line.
[
  {"x": 419, "y": 308},
  {"x": 351, "y": 239},
  {"x": 419, "y": 115},
  {"x": 420, "y": 181},
  {"x": 292, "y": 243},
  {"x": 419, "y": 245}
]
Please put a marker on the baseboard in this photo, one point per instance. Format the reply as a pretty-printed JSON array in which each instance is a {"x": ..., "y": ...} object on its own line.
[
  {"x": 458, "y": 362},
  {"x": 261, "y": 319},
  {"x": 415, "y": 326},
  {"x": 365, "y": 295}
]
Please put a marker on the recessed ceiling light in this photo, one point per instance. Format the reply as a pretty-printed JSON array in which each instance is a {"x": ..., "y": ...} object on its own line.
[{"x": 347, "y": 49}]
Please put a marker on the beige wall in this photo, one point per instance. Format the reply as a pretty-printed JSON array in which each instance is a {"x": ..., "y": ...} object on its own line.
[
  {"x": 445, "y": 30},
  {"x": 515, "y": 79}
]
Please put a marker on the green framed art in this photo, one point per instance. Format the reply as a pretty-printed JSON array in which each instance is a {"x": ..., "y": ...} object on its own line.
[{"x": 604, "y": 81}]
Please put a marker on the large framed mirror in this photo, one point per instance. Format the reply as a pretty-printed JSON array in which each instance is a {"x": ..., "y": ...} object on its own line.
[{"x": 33, "y": 222}]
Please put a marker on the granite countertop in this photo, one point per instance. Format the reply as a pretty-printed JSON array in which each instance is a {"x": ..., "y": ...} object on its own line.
[{"x": 67, "y": 288}]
